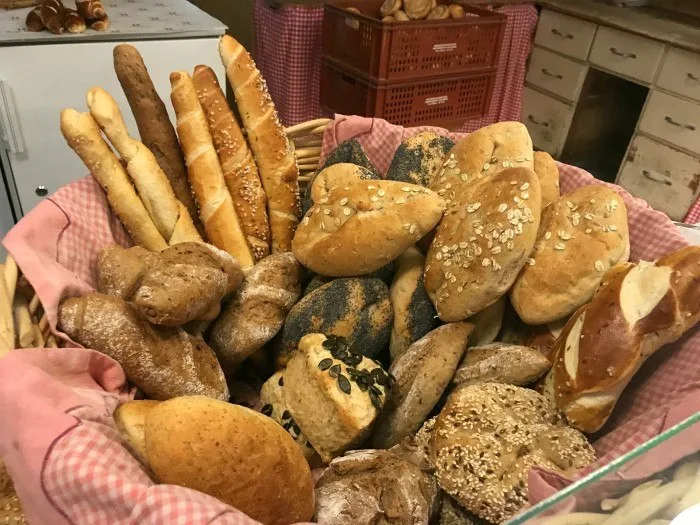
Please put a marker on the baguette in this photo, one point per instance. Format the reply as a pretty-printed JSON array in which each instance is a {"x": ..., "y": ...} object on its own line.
[
  {"x": 83, "y": 135},
  {"x": 273, "y": 152},
  {"x": 52, "y": 16},
  {"x": 151, "y": 183},
  {"x": 216, "y": 206},
  {"x": 237, "y": 164},
  {"x": 153, "y": 122}
]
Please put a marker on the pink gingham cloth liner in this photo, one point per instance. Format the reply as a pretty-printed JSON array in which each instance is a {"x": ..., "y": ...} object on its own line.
[
  {"x": 58, "y": 438},
  {"x": 693, "y": 216},
  {"x": 288, "y": 54}
]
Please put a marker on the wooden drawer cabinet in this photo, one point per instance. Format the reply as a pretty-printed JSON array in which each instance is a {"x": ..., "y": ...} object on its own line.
[
  {"x": 667, "y": 179},
  {"x": 547, "y": 121},
  {"x": 680, "y": 73},
  {"x": 556, "y": 74},
  {"x": 627, "y": 54},
  {"x": 565, "y": 34},
  {"x": 673, "y": 120}
]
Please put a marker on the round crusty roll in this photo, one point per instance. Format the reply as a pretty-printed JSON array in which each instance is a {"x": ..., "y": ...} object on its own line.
[
  {"x": 235, "y": 454},
  {"x": 130, "y": 419}
]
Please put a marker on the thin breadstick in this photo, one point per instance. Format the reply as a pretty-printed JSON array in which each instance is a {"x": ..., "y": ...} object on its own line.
[
  {"x": 308, "y": 152},
  {"x": 11, "y": 276},
  {"x": 23, "y": 322},
  {"x": 7, "y": 325},
  {"x": 298, "y": 129},
  {"x": 38, "y": 336},
  {"x": 34, "y": 304},
  {"x": 52, "y": 343},
  {"x": 43, "y": 323},
  {"x": 312, "y": 141}
]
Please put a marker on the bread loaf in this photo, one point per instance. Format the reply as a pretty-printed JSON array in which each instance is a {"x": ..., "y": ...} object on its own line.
[
  {"x": 119, "y": 270},
  {"x": 336, "y": 176},
  {"x": 333, "y": 393},
  {"x": 83, "y": 135},
  {"x": 486, "y": 439},
  {"x": 237, "y": 164},
  {"x": 357, "y": 309},
  {"x": 414, "y": 314},
  {"x": 581, "y": 235},
  {"x": 273, "y": 152},
  {"x": 417, "y": 9},
  {"x": 421, "y": 375},
  {"x": 53, "y": 15},
  {"x": 606, "y": 341},
  {"x": 483, "y": 241},
  {"x": 151, "y": 183},
  {"x": 358, "y": 228},
  {"x": 216, "y": 209},
  {"x": 162, "y": 362},
  {"x": 419, "y": 158},
  {"x": 547, "y": 171},
  {"x": 257, "y": 312},
  {"x": 501, "y": 363},
  {"x": 33, "y": 21},
  {"x": 130, "y": 419},
  {"x": 156, "y": 131},
  {"x": 243, "y": 458}
]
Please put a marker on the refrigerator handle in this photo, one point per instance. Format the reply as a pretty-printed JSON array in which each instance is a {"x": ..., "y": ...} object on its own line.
[{"x": 10, "y": 129}]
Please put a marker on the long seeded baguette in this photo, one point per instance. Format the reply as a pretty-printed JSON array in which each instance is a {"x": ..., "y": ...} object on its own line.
[
  {"x": 155, "y": 128},
  {"x": 273, "y": 152},
  {"x": 151, "y": 183},
  {"x": 237, "y": 164},
  {"x": 215, "y": 204},
  {"x": 83, "y": 135}
]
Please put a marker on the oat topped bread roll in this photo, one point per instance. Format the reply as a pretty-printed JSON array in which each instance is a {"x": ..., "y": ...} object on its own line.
[
  {"x": 220, "y": 220},
  {"x": 273, "y": 152},
  {"x": 548, "y": 173},
  {"x": 237, "y": 164}
]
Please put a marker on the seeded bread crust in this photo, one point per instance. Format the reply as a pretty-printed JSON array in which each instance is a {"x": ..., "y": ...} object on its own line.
[
  {"x": 334, "y": 176},
  {"x": 356, "y": 229},
  {"x": 582, "y": 235},
  {"x": 419, "y": 158}
]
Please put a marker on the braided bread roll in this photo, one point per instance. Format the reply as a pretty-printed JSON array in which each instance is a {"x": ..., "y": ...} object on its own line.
[
  {"x": 237, "y": 164},
  {"x": 83, "y": 135},
  {"x": 216, "y": 209},
  {"x": 273, "y": 152}
]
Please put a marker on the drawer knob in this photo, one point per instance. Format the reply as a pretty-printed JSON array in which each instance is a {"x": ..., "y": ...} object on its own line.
[
  {"x": 649, "y": 176},
  {"x": 550, "y": 74},
  {"x": 614, "y": 51},
  {"x": 537, "y": 122},
  {"x": 41, "y": 191},
  {"x": 679, "y": 124},
  {"x": 568, "y": 36}
]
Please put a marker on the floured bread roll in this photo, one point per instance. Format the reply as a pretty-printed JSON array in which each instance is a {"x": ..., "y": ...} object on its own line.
[
  {"x": 358, "y": 228},
  {"x": 501, "y": 363},
  {"x": 333, "y": 393},
  {"x": 581, "y": 236},
  {"x": 486, "y": 439},
  {"x": 419, "y": 158}
]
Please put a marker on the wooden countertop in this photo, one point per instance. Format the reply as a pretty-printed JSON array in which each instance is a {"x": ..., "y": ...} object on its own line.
[{"x": 649, "y": 22}]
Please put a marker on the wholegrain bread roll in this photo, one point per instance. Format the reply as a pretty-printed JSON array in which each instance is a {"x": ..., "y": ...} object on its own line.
[
  {"x": 333, "y": 393},
  {"x": 237, "y": 164},
  {"x": 243, "y": 458},
  {"x": 271, "y": 147},
  {"x": 414, "y": 314},
  {"x": 357, "y": 229},
  {"x": 419, "y": 158},
  {"x": 358, "y": 309},
  {"x": 501, "y": 363},
  {"x": 482, "y": 243},
  {"x": 546, "y": 169},
  {"x": 130, "y": 419},
  {"x": 119, "y": 270},
  {"x": 162, "y": 362},
  {"x": 582, "y": 234}
]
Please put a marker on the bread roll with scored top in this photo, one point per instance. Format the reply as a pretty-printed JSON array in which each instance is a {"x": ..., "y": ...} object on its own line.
[
  {"x": 581, "y": 236},
  {"x": 90, "y": 9},
  {"x": 215, "y": 204},
  {"x": 74, "y": 23},
  {"x": 151, "y": 183},
  {"x": 237, "y": 164},
  {"x": 53, "y": 15},
  {"x": 273, "y": 152},
  {"x": 501, "y": 363},
  {"x": 419, "y": 158},
  {"x": 358, "y": 228},
  {"x": 336, "y": 176},
  {"x": 163, "y": 362},
  {"x": 243, "y": 458},
  {"x": 153, "y": 121},
  {"x": 605, "y": 342},
  {"x": 482, "y": 242},
  {"x": 99, "y": 24},
  {"x": 83, "y": 135},
  {"x": 33, "y": 21},
  {"x": 547, "y": 171}
]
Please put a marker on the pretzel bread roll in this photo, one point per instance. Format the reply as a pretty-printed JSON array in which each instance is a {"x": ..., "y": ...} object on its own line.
[
  {"x": 273, "y": 152},
  {"x": 237, "y": 164},
  {"x": 153, "y": 122},
  {"x": 141, "y": 165},
  {"x": 83, "y": 135},
  {"x": 215, "y": 204},
  {"x": 90, "y": 9}
]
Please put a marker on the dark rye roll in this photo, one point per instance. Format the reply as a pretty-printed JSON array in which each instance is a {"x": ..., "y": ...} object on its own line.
[
  {"x": 419, "y": 158},
  {"x": 358, "y": 309},
  {"x": 414, "y": 313}
]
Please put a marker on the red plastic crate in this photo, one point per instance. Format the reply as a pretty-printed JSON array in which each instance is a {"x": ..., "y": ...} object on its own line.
[
  {"x": 439, "y": 101},
  {"x": 414, "y": 49}
]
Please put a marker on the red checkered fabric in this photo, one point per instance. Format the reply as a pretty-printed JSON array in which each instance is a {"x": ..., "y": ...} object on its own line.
[
  {"x": 288, "y": 54},
  {"x": 693, "y": 216}
]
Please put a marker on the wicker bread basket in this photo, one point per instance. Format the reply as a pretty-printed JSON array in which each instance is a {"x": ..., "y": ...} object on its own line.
[{"x": 17, "y": 4}]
